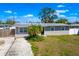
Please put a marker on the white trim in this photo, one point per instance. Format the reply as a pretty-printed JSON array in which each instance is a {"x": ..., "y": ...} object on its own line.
[
  {"x": 12, "y": 27},
  {"x": 1, "y": 28}
]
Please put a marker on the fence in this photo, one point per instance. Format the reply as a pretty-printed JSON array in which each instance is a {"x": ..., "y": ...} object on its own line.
[{"x": 7, "y": 32}]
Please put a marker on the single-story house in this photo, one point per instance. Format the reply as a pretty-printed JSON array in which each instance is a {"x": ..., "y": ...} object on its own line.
[{"x": 48, "y": 29}]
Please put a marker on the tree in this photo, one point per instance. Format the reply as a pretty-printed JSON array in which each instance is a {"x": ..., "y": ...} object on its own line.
[
  {"x": 34, "y": 30},
  {"x": 47, "y": 15},
  {"x": 62, "y": 20},
  {"x": 0, "y": 22},
  {"x": 10, "y": 21}
]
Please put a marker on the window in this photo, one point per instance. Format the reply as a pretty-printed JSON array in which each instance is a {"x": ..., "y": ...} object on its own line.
[
  {"x": 47, "y": 28},
  {"x": 75, "y": 27},
  {"x": 62, "y": 28},
  {"x": 1, "y": 26},
  {"x": 56, "y": 28},
  {"x": 52, "y": 29},
  {"x": 59, "y": 28},
  {"x": 23, "y": 30},
  {"x": 66, "y": 28}
]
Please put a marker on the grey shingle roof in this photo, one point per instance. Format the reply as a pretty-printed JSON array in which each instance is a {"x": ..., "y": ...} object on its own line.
[
  {"x": 74, "y": 25},
  {"x": 42, "y": 24},
  {"x": 5, "y": 25}
]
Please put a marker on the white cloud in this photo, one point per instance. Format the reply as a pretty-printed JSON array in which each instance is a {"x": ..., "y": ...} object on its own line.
[
  {"x": 29, "y": 15},
  {"x": 63, "y": 16},
  {"x": 67, "y": 10},
  {"x": 12, "y": 17},
  {"x": 8, "y": 11},
  {"x": 73, "y": 18},
  {"x": 60, "y": 6},
  {"x": 70, "y": 19},
  {"x": 62, "y": 11},
  {"x": 34, "y": 19},
  {"x": 60, "y": 15},
  {"x": 74, "y": 14},
  {"x": 57, "y": 14},
  {"x": 29, "y": 18}
]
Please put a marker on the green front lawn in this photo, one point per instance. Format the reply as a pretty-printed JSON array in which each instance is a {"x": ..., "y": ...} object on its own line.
[{"x": 57, "y": 46}]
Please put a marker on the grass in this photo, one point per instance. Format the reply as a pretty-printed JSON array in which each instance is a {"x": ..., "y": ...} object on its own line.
[
  {"x": 35, "y": 38},
  {"x": 57, "y": 46}
]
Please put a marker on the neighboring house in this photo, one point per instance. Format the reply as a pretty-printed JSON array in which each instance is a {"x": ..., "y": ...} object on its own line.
[
  {"x": 7, "y": 30},
  {"x": 49, "y": 28}
]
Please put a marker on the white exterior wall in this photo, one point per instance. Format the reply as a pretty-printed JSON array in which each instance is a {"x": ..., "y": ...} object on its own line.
[
  {"x": 56, "y": 32},
  {"x": 73, "y": 31}
]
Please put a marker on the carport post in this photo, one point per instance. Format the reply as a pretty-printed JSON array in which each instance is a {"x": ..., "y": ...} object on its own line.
[{"x": 15, "y": 34}]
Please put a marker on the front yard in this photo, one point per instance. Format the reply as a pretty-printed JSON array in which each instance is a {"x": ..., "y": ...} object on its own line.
[{"x": 57, "y": 46}]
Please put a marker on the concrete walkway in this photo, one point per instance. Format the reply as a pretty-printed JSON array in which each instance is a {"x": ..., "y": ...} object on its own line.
[{"x": 19, "y": 48}]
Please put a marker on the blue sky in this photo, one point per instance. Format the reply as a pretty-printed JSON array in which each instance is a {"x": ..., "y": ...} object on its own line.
[{"x": 28, "y": 12}]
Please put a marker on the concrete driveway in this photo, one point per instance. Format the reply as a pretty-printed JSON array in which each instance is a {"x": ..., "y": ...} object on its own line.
[
  {"x": 8, "y": 41},
  {"x": 18, "y": 47}
]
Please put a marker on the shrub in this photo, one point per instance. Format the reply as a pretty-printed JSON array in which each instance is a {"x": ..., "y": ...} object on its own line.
[
  {"x": 35, "y": 38},
  {"x": 35, "y": 49},
  {"x": 34, "y": 30}
]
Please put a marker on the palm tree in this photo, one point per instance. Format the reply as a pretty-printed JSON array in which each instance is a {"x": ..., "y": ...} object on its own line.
[{"x": 47, "y": 15}]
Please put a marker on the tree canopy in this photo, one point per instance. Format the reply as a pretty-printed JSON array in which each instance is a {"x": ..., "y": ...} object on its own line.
[
  {"x": 47, "y": 15},
  {"x": 10, "y": 21},
  {"x": 0, "y": 22},
  {"x": 62, "y": 20}
]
